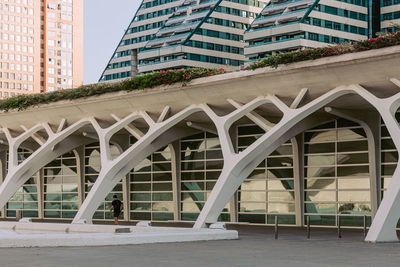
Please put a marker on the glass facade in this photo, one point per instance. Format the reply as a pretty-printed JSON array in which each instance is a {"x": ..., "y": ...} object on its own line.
[
  {"x": 201, "y": 165},
  {"x": 336, "y": 180},
  {"x": 60, "y": 187},
  {"x": 151, "y": 188},
  {"x": 269, "y": 190},
  {"x": 26, "y": 198}
]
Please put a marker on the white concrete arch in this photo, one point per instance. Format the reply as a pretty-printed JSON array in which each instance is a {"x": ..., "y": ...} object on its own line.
[
  {"x": 112, "y": 171},
  {"x": 53, "y": 147},
  {"x": 237, "y": 166}
]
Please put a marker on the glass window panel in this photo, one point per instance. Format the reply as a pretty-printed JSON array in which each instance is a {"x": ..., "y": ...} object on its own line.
[
  {"x": 322, "y": 220},
  {"x": 282, "y": 219},
  {"x": 214, "y": 164},
  {"x": 192, "y": 155},
  {"x": 192, "y": 165},
  {"x": 388, "y": 170},
  {"x": 281, "y": 207},
  {"x": 252, "y": 196},
  {"x": 353, "y": 171},
  {"x": 280, "y": 162},
  {"x": 70, "y": 206},
  {"x": 162, "y": 187},
  {"x": 319, "y": 148},
  {"x": 214, "y": 154},
  {"x": 387, "y": 144},
  {"x": 281, "y": 196},
  {"x": 192, "y": 186},
  {"x": 141, "y": 206},
  {"x": 321, "y": 136},
  {"x": 52, "y": 197},
  {"x": 212, "y": 175},
  {"x": 162, "y": 197},
  {"x": 162, "y": 167},
  {"x": 70, "y": 197},
  {"x": 165, "y": 156},
  {"x": 53, "y": 188},
  {"x": 247, "y": 141},
  {"x": 353, "y": 146},
  {"x": 141, "y": 187},
  {"x": 193, "y": 196},
  {"x": 320, "y": 208},
  {"x": 354, "y": 208},
  {"x": 70, "y": 188},
  {"x": 320, "y": 160},
  {"x": 351, "y": 134},
  {"x": 280, "y": 185},
  {"x": 280, "y": 173},
  {"x": 192, "y": 175},
  {"x": 320, "y": 196},
  {"x": 354, "y": 158},
  {"x": 192, "y": 206},
  {"x": 259, "y": 207},
  {"x": 320, "y": 184},
  {"x": 354, "y": 196},
  {"x": 320, "y": 171},
  {"x": 164, "y": 176},
  {"x": 363, "y": 183},
  {"x": 389, "y": 156},
  {"x": 141, "y": 197},
  {"x": 163, "y": 206},
  {"x": 193, "y": 145},
  {"x": 253, "y": 185}
]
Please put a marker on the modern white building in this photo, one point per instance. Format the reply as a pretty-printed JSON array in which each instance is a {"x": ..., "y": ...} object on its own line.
[{"x": 315, "y": 139}]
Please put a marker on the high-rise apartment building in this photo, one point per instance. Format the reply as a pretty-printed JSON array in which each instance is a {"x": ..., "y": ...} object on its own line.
[
  {"x": 187, "y": 33},
  {"x": 289, "y": 25},
  {"x": 390, "y": 14},
  {"x": 286, "y": 25},
  {"x": 149, "y": 18},
  {"x": 41, "y": 45},
  {"x": 201, "y": 33}
]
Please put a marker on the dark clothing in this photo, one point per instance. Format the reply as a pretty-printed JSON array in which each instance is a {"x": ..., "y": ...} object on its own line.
[{"x": 117, "y": 207}]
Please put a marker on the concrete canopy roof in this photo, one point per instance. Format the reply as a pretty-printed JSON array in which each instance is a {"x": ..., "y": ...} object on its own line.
[{"x": 372, "y": 69}]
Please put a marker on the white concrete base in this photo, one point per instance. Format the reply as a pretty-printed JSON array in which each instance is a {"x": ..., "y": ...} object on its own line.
[{"x": 14, "y": 235}]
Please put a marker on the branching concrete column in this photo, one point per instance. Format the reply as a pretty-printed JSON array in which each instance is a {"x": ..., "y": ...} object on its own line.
[
  {"x": 57, "y": 143},
  {"x": 238, "y": 166},
  {"x": 112, "y": 170}
]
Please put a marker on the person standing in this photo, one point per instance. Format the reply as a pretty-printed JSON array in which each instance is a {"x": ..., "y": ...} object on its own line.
[{"x": 116, "y": 206}]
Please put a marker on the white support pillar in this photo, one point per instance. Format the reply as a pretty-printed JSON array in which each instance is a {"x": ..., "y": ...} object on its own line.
[
  {"x": 112, "y": 171},
  {"x": 238, "y": 166},
  {"x": 56, "y": 145}
]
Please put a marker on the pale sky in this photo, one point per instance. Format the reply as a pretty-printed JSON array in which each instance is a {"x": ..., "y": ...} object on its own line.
[{"x": 105, "y": 22}]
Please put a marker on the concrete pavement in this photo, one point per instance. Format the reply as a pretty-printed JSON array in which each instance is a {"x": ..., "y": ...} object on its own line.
[{"x": 256, "y": 247}]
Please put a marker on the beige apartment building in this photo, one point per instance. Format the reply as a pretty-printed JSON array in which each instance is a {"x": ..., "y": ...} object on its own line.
[{"x": 41, "y": 45}]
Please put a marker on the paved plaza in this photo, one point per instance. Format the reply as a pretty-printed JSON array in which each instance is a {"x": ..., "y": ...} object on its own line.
[{"x": 256, "y": 247}]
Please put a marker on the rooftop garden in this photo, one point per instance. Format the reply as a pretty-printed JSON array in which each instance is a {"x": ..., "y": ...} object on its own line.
[{"x": 21, "y": 102}]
